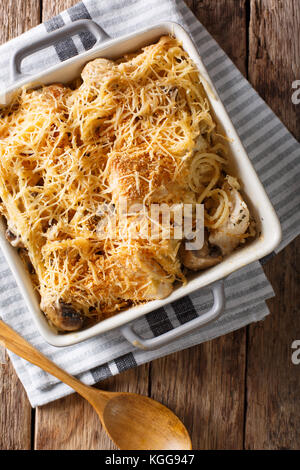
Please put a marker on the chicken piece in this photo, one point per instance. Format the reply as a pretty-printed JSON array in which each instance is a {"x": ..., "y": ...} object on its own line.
[
  {"x": 158, "y": 286},
  {"x": 197, "y": 260},
  {"x": 63, "y": 316},
  {"x": 135, "y": 278},
  {"x": 98, "y": 70},
  {"x": 230, "y": 234},
  {"x": 142, "y": 278},
  {"x": 134, "y": 177}
]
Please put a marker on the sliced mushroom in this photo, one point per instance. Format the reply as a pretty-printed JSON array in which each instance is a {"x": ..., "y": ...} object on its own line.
[
  {"x": 230, "y": 234},
  {"x": 197, "y": 260},
  {"x": 13, "y": 239},
  {"x": 64, "y": 316},
  {"x": 23, "y": 253}
]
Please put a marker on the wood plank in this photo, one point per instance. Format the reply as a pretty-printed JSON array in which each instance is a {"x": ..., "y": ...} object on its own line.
[
  {"x": 274, "y": 56},
  {"x": 273, "y": 382},
  {"x": 51, "y": 8},
  {"x": 71, "y": 423},
  {"x": 17, "y": 17},
  {"x": 15, "y": 411},
  {"x": 205, "y": 385},
  {"x": 226, "y": 22},
  {"x": 273, "y": 406},
  {"x": 190, "y": 4}
]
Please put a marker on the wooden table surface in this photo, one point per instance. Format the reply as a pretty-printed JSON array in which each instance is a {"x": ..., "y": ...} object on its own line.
[{"x": 240, "y": 391}]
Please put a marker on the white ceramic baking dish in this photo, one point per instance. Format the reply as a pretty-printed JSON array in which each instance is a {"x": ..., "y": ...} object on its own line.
[{"x": 268, "y": 223}]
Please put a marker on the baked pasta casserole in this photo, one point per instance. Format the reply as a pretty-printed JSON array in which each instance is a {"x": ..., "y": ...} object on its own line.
[{"x": 138, "y": 129}]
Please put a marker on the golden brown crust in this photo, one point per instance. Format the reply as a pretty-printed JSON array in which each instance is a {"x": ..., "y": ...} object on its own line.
[{"x": 138, "y": 128}]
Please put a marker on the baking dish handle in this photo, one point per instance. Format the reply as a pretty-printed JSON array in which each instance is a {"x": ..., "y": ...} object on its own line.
[
  {"x": 210, "y": 315},
  {"x": 50, "y": 39}
]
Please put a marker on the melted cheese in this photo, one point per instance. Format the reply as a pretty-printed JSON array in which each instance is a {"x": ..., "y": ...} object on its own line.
[{"x": 140, "y": 128}]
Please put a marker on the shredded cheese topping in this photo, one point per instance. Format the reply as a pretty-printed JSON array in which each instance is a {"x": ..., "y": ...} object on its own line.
[{"x": 139, "y": 128}]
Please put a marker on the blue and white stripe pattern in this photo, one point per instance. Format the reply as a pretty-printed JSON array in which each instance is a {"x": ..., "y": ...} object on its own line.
[{"x": 276, "y": 161}]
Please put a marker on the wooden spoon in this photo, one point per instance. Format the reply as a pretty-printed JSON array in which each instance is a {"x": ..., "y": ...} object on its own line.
[{"x": 132, "y": 421}]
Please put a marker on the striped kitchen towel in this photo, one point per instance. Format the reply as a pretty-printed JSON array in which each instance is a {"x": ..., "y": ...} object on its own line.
[{"x": 274, "y": 153}]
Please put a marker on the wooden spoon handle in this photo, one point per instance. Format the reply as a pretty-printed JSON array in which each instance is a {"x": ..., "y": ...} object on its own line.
[{"x": 15, "y": 343}]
